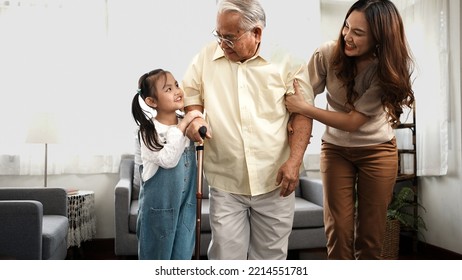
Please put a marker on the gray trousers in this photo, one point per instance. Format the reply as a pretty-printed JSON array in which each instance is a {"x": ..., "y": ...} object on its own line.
[{"x": 250, "y": 227}]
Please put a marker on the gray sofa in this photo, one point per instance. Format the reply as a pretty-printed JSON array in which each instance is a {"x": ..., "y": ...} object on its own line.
[
  {"x": 308, "y": 226},
  {"x": 33, "y": 223}
]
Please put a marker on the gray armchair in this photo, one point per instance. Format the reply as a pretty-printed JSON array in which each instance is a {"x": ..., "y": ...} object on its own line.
[
  {"x": 33, "y": 223},
  {"x": 126, "y": 209}
]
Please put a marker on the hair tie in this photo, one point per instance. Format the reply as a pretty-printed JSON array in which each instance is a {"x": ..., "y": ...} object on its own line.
[{"x": 138, "y": 91}]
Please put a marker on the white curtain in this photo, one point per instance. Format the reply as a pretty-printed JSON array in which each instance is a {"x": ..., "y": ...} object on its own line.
[
  {"x": 56, "y": 58},
  {"x": 426, "y": 23},
  {"x": 80, "y": 61}
]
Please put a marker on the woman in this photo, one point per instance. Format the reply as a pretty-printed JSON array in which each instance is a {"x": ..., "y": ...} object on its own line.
[{"x": 366, "y": 74}]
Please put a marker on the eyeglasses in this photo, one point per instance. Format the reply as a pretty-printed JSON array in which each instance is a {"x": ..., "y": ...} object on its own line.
[{"x": 228, "y": 42}]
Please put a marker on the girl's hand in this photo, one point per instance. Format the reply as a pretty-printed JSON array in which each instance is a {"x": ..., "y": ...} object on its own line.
[
  {"x": 187, "y": 119},
  {"x": 295, "y": 103}
]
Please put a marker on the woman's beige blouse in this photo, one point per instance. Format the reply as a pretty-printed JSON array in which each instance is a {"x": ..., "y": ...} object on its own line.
[{"x": 377, "y": 130}]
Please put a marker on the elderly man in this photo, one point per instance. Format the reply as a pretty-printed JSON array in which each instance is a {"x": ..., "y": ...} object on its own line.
[{"x": 251, "y": 161}]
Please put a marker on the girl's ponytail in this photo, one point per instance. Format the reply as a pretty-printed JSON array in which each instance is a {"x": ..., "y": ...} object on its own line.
[{"x": 142, "y": 118}]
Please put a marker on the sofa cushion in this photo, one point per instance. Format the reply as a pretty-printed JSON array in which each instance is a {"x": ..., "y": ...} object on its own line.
[
  {"x": 307, "y": 214},
  {"x": 205, "y": 222},
  {"x": 54, "y": 232}
]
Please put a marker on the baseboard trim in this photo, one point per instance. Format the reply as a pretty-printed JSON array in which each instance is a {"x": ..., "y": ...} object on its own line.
[{"x": 425, "y": 251}]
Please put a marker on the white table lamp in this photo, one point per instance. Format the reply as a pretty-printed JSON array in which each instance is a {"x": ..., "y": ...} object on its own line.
[{"x": 43, "y": 130}]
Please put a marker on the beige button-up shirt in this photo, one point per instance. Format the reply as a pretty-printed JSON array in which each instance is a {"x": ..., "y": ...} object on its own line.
[{"x": 244, "y": 105}]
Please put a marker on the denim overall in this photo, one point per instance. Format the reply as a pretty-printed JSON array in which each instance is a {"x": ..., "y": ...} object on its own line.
[{"x": 167, "y": 211}]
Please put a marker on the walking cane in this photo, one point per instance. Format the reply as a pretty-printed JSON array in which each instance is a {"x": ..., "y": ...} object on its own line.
[{"x": 199, "y": 183}]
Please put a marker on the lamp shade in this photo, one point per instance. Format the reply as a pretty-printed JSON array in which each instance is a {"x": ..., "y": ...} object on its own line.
[{"x": 43, "y": 129}]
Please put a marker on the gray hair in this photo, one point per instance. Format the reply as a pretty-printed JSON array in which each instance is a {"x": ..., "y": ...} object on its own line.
[{"x": 251, "y": 11}]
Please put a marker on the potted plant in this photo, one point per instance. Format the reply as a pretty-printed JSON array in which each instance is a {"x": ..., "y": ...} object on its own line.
[{"x": 400, "y": 213}]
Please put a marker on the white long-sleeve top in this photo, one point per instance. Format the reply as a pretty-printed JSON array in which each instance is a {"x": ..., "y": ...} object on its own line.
[{"x": 168, "y": 157}]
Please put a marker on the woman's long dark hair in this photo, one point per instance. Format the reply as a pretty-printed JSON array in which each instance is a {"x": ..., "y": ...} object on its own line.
[
  {"x": 147, "y": 88},
  {"x": 395, "y": 65}
]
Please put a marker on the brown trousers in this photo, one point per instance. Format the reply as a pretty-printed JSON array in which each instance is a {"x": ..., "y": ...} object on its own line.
[{"x": 358, "y": 186}]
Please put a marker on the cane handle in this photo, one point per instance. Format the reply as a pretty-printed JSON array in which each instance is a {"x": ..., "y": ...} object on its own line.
[{"x": 203, "y": 131}]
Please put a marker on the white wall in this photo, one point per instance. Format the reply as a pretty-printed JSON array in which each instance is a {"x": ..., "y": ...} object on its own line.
[{"x": 441, "y": 196}]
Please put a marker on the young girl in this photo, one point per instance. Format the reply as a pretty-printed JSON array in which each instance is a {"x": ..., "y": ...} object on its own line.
[{"x": 166, "y": 218}]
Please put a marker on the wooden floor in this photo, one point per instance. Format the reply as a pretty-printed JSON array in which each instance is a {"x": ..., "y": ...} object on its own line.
[{"x": 103, "y": 249}]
